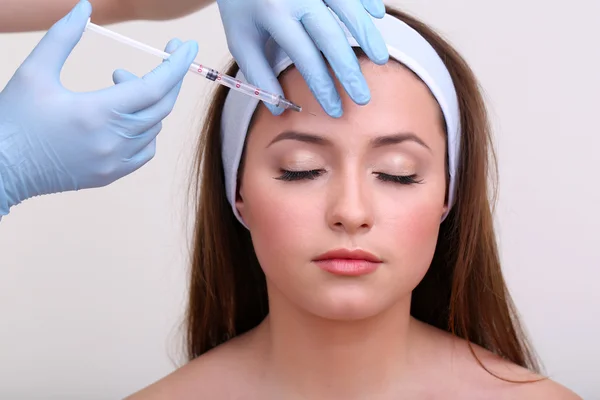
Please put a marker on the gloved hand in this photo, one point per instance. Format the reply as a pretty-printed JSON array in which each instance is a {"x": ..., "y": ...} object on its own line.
[
  {"x": 54, "y": 140},
  {"x": 303, "y": 29}
]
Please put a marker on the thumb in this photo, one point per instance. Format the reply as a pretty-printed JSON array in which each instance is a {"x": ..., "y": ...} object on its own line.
[{"x": 58, "y": 43}]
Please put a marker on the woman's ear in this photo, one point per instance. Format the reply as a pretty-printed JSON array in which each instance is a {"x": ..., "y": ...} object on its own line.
[
  {"x": 444, "y": 211},
  {"x": 239, "y": 204}
]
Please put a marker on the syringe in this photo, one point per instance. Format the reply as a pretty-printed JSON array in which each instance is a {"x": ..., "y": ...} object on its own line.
[{"x": 206, "y": 72}]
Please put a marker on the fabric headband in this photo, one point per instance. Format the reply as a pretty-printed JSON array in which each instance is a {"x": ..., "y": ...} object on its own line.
[{"x": 404, "y": 44}]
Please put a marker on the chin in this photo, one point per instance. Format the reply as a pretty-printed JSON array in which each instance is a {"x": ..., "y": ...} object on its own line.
[{"x": 347, "y": 304}]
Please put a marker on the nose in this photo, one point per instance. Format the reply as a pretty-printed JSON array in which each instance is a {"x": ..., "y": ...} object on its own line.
[{"x": 350, "y": 205}]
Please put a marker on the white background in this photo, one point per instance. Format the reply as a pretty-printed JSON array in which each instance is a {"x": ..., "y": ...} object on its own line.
[{"x": 92, "y": 283}]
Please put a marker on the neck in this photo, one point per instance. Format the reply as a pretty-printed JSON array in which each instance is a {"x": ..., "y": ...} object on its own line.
[{"x": 324, "y": 358}]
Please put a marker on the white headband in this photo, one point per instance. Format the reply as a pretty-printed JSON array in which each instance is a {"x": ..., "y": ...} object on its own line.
[{"x": 404, "y": 44}]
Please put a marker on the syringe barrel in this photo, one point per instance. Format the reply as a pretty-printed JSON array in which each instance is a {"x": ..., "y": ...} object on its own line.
[{"x": 235, "y": 84}]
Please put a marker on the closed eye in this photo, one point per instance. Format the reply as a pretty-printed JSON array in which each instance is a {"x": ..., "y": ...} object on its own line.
[
  {"x": 287, "y": 175},
  {"x": 401, "y": 179}
]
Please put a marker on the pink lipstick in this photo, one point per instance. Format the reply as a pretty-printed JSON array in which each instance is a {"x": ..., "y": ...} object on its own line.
[{"x": 348, "y": 262}]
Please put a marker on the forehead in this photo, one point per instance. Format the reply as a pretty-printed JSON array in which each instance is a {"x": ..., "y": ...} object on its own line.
[{"x": 400, "y": 101}]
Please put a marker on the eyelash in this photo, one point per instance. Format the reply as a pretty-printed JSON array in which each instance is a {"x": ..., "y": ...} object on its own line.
[
  {"x": 290, "y": 176},
  {"x": 401, "y": 179}
]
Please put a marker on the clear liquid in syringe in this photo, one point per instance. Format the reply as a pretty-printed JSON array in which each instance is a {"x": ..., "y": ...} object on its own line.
[{"x": 245, "y": 88}]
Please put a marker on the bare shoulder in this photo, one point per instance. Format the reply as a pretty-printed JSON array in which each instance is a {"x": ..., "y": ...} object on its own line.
[
  {"x": 525, "y": 383},
  {"x": 545, "y": 389},
  {"x": 512, "y": 381},
  {"x": 500, "y": 379},
  {"x": 224, "y": 372}
]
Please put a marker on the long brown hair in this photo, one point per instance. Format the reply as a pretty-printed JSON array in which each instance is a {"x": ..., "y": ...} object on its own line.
[{"x": 463, "y": 291}]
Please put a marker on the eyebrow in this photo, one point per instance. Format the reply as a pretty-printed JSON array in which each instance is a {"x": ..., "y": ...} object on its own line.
[{"x": 380, "y": 141}]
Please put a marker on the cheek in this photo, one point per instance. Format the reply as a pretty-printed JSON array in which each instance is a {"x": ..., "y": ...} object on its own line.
[
  {"x": 417, "y": 228},
  {"x": 411, "y": 229},
  {"x": 416, "y": 216},
  {"x": 282, "y": 218}
]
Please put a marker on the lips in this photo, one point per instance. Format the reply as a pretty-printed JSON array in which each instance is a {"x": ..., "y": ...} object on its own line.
[
  {"x": 348, "y": 262},
  {"x": 344, "y": 254}
]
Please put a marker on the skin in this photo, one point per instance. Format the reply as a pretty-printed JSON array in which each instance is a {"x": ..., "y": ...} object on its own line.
[
  {"x": 336, "y": 337},
  {"x": 37, "y": 15}
]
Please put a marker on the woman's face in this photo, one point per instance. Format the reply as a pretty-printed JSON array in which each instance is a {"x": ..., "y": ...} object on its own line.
[{"x": 373, "y": 180}]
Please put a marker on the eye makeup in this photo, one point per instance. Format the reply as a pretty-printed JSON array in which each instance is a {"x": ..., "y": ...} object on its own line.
[
  {"x": 401, "y": 179},
  {"x": 287, "y": 175},
  {"x": 388, "y": 166}
]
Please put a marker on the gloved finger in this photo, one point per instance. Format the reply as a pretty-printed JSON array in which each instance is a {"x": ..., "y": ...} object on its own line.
[
  {"x": 256, "y": 69},
  {"x": 362, "y": 28},
  {"x": 295, "y": 41},
  {"x": 140, "y": 159},
  {"x": 169, "y": 75},
  {"x": 144, "y": 120},
  {"x": 374, "y": 7},
  {"x": 159, "y": 111},
  {"x": 173, "y": 45},
  {"x": 147, "y": 118},
  {"x": 121, "y": 75},
  {"x": 51, "y": 53},
  {"x": 136, "y": 95},
  {"x": 330, "y": 38},
  {"x": 136, "y": 144}
]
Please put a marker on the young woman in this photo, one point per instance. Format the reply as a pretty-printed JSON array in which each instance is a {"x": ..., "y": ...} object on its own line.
[{"x": 353, "y": 257}]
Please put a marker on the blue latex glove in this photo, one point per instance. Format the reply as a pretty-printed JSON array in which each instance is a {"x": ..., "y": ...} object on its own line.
[
  {"x": 303, "y": 29},
  {"x": 54, "y": 140}
]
